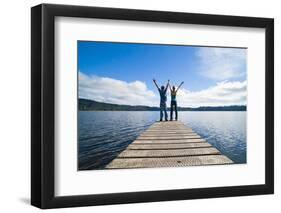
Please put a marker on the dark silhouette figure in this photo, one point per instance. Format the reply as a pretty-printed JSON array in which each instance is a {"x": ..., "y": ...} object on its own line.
[
  {"x": 174, "y": 91},
  {"x": 163, "y": 100}
]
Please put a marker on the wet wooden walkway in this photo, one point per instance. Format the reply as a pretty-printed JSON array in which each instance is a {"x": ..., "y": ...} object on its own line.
[{"x": 168, "y": 144}]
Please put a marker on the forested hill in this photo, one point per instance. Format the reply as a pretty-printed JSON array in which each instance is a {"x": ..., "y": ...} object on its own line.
[{"x": 90, "y": 105}]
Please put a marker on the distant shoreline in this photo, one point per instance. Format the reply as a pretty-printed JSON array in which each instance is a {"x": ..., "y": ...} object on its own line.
[
  {"x": 156, "y": 110},
  {"x": 91, "y": 105}
]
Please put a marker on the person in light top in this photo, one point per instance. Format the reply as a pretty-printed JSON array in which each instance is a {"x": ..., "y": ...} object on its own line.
[{"x": 174, "y": 91}]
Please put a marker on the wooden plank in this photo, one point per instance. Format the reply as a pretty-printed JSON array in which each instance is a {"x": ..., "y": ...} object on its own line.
[
  {"x": 169, "y": 131},
  {"x": 121, "y": 163},
  {"x": 178, "y": 135},
  {"x": 168, "y": 134},
  {"x": 169, "y": 123},
  {"x": 143, "y": 146},
  {"x": 190, "y": 140},
  {"x": 170, "y": 127},
  {"x": 167, "y": 153},
  {"x": 160, "y": 125},
  {"x": 168, "y": 137}
]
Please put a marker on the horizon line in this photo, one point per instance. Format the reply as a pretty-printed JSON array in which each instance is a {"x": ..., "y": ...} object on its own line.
[{"x": 244, "y": 105}]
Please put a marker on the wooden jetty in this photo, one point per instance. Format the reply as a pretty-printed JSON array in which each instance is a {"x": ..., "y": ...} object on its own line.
[{"x": 168, "y": 144}]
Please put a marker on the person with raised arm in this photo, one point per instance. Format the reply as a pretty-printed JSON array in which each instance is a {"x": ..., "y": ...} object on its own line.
[
  {"x": 163, "y": 100},
  {"x": 174, "y": 91}
]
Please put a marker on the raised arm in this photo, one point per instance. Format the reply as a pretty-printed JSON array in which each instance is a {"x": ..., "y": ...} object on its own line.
[
  {"x": 170, "y": 87},
  {"x": 179, "y": 86},
  {"x": 156, "y": 84},
  {"x": 168, "y": 84}
]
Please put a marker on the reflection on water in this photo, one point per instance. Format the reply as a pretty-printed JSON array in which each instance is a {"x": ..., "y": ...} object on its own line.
[{"x": 104, "y": 134}]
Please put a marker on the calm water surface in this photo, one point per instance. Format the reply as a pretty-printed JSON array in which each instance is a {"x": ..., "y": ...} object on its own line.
[{"x": 104, "y": 134}]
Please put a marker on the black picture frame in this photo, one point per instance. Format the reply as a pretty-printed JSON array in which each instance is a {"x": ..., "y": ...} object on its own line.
[{"x": 43, "y": 102}]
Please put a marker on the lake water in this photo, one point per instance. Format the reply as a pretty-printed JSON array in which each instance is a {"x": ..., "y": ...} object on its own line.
[{"x": 104, "y": 134}]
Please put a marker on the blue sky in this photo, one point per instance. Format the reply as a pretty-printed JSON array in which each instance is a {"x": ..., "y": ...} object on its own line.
[{"x": 129, "y": 69}]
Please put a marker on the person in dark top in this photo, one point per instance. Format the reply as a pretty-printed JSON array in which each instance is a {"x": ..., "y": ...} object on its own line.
[
  {"x": 174, "y": 91},
  {"x": 163, "y": 99}
]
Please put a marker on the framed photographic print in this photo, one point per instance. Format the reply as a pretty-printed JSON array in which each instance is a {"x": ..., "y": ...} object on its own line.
[{"x": 139, "y": 106}]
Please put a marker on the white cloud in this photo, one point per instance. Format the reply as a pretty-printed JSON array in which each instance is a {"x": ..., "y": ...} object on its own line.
[
  {"x": 222, "y": 63},
  {"x": 223, "y": 94},
  {"x": 110, "y": 90}
]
